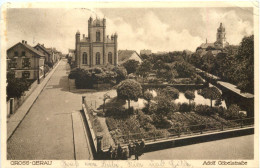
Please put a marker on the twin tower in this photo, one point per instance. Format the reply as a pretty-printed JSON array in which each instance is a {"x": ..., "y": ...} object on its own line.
[{"x": 97, "y": 49}]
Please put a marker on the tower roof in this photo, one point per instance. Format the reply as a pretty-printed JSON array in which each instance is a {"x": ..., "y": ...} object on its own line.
[{"x": 221, "y": 27}]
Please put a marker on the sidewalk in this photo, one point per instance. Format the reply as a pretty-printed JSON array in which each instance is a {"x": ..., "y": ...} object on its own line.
[{"x": 14, "y": 121}]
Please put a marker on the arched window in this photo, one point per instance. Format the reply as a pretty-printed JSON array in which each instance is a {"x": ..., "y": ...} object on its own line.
[
  {"x": 110, "y": 58},
  {"x": 97, "y": 58},
  {"x": 98, "y": 36},
  {"x": 84, "y": 58}
]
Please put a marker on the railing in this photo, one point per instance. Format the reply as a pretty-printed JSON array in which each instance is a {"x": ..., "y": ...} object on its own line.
[{"x": 184, "y": 131}]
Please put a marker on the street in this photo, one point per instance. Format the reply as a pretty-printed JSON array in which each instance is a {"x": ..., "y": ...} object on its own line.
[{"x": 46, "y": 131}]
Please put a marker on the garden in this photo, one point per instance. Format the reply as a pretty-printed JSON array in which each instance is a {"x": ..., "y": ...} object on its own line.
[{"x": 163, "y": 117}]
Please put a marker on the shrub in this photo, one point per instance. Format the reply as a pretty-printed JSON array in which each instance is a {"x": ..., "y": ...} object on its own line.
[
  {"x": 87, "y": 78},
  {"x": 197, "y": 79},
  {"x": 185, "y": 107},
  {"x": 153, "y": 80},
  {"x": 203, "y": 109},
  {"x": 161, "y": 122},
  {"x": 119, "y": 112},
  {"x": 164, "y": 105},
  {"x": 232, "y": 112},
  {"x": 121, "y": 74}
]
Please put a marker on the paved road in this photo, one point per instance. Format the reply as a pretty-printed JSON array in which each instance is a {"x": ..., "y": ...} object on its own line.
[
  {"x": 232, "y": 148},
  {"x": 46, "y": 132}
]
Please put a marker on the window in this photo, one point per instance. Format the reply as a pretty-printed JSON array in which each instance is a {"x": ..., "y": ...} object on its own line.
[
  {"x": 98, "y": 36},
  {"x": 12, "y": 63},
  {"x": 26, "y": 63},
  {"x": 98, "y": 23},
  {"x": 110, "y": 58},
  {"x": 26, "y": 74},
  {"x": 15, "y": 53},
  {"x": 97, "y": 58},
  {"x": 84, "y": 58},
  {"x": 23, "y": 53}
]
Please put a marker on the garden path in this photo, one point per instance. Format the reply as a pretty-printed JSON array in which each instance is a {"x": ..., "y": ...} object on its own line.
[{"x": 94, "y": 101}]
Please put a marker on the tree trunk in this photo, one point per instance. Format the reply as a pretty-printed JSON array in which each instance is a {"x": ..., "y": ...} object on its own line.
[
  {"x": 128, "y": 104},
  {"x": 210, "y": 103}
]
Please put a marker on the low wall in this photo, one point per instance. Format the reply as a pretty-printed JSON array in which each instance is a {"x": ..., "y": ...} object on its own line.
[
  {"x": 182, "y": 141},
  {"x": 89, "y": 128}
]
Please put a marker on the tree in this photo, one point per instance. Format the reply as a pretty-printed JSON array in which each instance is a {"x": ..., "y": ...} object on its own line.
[
  {"x": 211, "y": 93},
  {"x": 121, "y": 74},
  {"x": 159, "y": 64},
  {"x": 189, "y": 95},
  {"x": 105, "y": 97},
  {"x": 208, "y": 62},
  {"x": 184, "y": 69},
  {"x": 168, "y": 75},
  {"x": 171, "y": 92},
  {"x": 245, "y": 70},
  {"x": 16, "y": 87},
  {"x": 148, "y": 96},
  {"x": 129, "y": 90},
  {"x": 131, "y": 66},
  {"x": 144, "y": 68}
]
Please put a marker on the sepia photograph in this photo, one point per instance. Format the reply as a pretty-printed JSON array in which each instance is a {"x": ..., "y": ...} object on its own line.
[{"x": 143, "y": 82}]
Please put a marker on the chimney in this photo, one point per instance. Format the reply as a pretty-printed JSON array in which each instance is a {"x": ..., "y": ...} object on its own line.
[
  {"x": 25, "y": 42},
  {"x": 22, "y": 41},
  {"x": 83, "y": 35}
]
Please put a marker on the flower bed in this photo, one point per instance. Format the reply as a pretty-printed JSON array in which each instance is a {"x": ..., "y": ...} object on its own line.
[{"x": 141, "y": 125}]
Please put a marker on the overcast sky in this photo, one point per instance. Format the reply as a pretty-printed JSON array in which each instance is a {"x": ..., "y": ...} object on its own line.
[{"x": 161, "y": 29}]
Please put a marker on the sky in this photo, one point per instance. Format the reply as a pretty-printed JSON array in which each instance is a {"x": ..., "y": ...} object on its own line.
[{"x": 157, "y": 29}]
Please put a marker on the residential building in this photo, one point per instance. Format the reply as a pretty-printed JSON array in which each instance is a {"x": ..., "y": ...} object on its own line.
[
  {"x": 97, "y": 49},
  {"x": 55, "y": 55},
  {"x": 25, "y": 61},
  {"x": 145, "y": 52},
  {"x": 125, "y": 55},
  {"x": 44, "y": 51}
]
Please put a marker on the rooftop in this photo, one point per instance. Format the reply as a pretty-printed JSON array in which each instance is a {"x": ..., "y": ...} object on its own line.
[
  {"x": 235, "y": 89},
  {"x": 123, "y": 55},
  {"x": 24, "y": 43}
]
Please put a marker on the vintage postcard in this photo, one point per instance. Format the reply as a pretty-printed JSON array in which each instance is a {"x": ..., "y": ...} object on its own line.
[{"x": 130, "y": 84}]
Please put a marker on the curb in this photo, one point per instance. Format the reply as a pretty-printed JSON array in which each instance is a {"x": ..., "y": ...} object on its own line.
[{"x": 22, "y": 111}]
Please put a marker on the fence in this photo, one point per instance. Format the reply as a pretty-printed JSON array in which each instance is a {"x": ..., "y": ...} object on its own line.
[{"x": 184, "y": 131}]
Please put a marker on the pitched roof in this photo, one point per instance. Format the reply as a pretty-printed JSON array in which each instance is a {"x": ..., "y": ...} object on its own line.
[
  {"x": 206, "y": 45},
  {"x": 124, "y": 55},
  {"x": 28, "y": 47},
  {"x": 235, "y": 89},
  {"x": 42, "y": 47}
]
